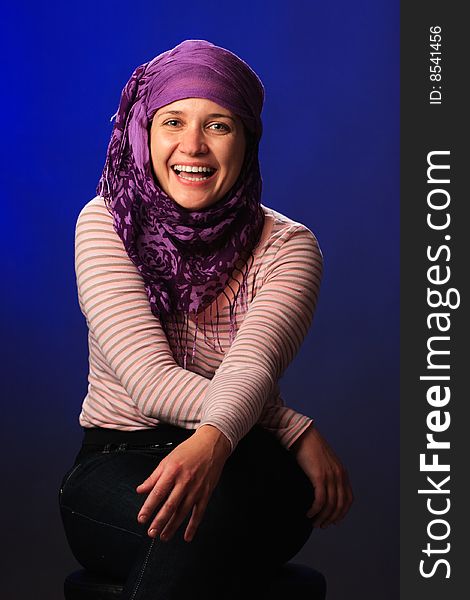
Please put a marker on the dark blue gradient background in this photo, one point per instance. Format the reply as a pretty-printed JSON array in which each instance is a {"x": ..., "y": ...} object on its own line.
[{"x": 330, "y": 159}]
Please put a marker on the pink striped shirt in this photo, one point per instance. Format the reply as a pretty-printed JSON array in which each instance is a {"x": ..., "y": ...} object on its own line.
[{"x": 134, "y": 379}]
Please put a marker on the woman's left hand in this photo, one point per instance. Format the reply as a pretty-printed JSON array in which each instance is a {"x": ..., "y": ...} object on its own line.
[
  {"x": 333, "y": 493},
  {"x": 183, "y": 482}
]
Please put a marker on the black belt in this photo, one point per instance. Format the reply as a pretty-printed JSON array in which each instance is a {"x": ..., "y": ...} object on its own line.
[{"x": 162, "y": 433}]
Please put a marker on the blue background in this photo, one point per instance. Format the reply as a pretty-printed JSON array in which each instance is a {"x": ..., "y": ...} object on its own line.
[{"x": 329, "y": 158}]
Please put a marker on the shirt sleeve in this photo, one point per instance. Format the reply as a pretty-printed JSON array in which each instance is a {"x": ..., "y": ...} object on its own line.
[
  {"x": 274, "y": 327},
  {"x": 113, "y": 299},
  {"x": 283, "y": 422}
]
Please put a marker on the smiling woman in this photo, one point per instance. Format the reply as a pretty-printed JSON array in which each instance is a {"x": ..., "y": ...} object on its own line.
[
  {"x": 192, "y": 136},
  {"x": 197, "y": 298}
]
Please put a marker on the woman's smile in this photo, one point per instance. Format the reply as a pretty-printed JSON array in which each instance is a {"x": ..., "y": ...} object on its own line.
[
  {"x": 197, "y": 149},
  {"x": 193, "y": 173}
]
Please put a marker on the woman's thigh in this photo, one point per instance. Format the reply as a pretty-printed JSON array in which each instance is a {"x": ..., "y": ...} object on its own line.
[
  {"x": 255, "y": 518},
  {"x": 99, "y": 507},
  {"x": 273, "y": 496}
]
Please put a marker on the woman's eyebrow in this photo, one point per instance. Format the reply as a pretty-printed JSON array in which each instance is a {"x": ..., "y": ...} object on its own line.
[
  {"x": 218, "y": 115},
  {"x": 180, "y": 112}
]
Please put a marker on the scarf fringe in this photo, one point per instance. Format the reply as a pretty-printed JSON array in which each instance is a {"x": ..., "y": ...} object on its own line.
[{"x": 181, "y": 328}]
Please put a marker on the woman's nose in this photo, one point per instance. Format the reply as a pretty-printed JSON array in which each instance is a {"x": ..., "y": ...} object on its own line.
[{"x": 193, "y": 142}]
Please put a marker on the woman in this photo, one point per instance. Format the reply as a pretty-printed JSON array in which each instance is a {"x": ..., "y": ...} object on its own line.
[{"x": 197, "y": 297}]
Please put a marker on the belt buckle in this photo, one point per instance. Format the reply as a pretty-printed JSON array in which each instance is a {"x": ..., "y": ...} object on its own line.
[{"x": 108, "y": 448}]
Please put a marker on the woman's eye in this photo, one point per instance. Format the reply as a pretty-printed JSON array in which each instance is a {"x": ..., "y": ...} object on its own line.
[
  {"x": 222, "y": 127},
  {"x": 218, "y": 127}
]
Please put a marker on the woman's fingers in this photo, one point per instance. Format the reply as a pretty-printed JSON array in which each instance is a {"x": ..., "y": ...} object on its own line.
[
  {"x": 320, "y": 497},
  {"x": 168, "y": 521},
  {"x": 172, "y": 500},
  {"x": 197, "y": 513},
  {"x": 178, "y": 517},
  {"x": 149, "y": 483},
  {"x": 196, "y": 517},
  {"x": 145, "y": 486},
  {"x": 333, "y": 499},
  {"x": 157, "y": 495},
  {"x": 339, "y": 506},
  {"x": 168, "y": 509},
  {"x": 183, "y": 479},
  {"x": 333, "y": 494},
  {"x": 345, "y": 498},
  {"x": 348, "y": 497},
  {"x": 322, "y": 519}
]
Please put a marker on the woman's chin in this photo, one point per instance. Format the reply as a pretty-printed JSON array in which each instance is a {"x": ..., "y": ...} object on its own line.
[{"x": 194, "y": 201}]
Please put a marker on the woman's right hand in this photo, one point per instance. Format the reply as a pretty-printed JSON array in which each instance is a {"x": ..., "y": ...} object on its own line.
[
  {"x": 183, "y": 482},
  {"x": 333, "y": 493}
]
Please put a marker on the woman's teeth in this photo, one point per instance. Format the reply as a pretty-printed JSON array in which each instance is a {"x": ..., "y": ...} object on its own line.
[{"x": 180, "y": 169}]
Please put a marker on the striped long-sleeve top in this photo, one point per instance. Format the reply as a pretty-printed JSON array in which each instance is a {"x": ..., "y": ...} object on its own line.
[{"x": 135, "y": 381}]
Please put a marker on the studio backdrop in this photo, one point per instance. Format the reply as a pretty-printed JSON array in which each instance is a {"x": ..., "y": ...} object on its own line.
[{"x": 329, "y": 159}]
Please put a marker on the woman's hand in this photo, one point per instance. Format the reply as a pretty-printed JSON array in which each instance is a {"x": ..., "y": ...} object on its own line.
[
  {"x": 184, "y": 481},
  {"x": 333, "y": 493}
]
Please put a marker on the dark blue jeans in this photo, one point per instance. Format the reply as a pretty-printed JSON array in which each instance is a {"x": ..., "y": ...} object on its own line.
[{"x": 255, "y": 520}]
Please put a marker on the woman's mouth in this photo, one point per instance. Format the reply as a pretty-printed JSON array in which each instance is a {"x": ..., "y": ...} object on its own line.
[{"x": 194, "y": 173}]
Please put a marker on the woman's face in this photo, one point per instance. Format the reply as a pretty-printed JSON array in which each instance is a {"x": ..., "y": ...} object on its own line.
[{"x": 197, "y": 150}]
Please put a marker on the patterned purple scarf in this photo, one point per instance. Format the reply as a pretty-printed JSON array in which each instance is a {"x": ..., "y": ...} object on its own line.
[{"x": 186, "y": 258}]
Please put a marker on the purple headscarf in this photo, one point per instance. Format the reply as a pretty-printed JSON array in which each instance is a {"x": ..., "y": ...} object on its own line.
[{"x": 186, "y": 258}]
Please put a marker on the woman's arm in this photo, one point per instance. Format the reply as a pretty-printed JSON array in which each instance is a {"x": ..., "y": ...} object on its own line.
[
  {"x": 283, "y": 422},
  {"x": 329, "y": 478},
  {"x": 272, "y": 332},
  {"x": 131, "y": 340},
  {"x": 114, "y": 302}
]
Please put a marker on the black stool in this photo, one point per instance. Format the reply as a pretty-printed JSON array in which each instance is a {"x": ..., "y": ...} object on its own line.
[{"x": 292, "y": 581}]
